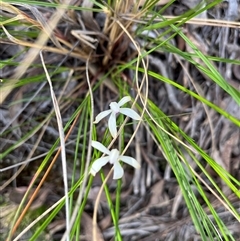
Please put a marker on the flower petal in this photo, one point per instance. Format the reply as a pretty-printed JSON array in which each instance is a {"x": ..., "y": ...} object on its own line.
[
  {"x": 101, "y": 115},
  {"x": 99, "y": 146},
  {"x": 113, "y": 156},
  {"x": 115, "y": 107},
  {"x": 98, "y": 164},
  {"x": 130, "y": 161},
  {"x": 112, "y": 125},
  {"x": 130, "y": 113},
  {"x": 117, "y": 171},
  {"x": 124, "y": 100}
]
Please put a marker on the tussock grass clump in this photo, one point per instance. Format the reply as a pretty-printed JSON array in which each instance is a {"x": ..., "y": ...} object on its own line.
[{"x": 176, "y": 63}]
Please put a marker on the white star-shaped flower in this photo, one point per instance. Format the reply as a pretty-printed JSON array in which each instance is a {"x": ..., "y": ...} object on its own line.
[
  {"x": 113, "y": 158},
  {"x": 116, "y": 108}
]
